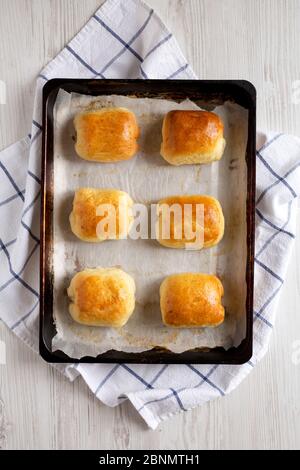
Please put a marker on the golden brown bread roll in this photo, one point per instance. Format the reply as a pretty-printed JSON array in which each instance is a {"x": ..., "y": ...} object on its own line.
[
  {"x": 190, "y": 300},
  {"x": 192, "y": 137},
  {"x": 102, "y": 297},
  {"x": 90, "y": 227},
  {"x": 212, "y": 217},
  {"x": 106, "y": 135}
]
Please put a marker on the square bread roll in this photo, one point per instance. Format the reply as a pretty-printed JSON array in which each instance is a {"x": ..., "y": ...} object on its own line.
[
  {"x": 106, "y": 135},
  {"x": 208, "y": 231},
  {"x": 192, "y": 137},
  {"x": 102, "y": 297},
  {"x": 191, "y": 300},
  {"x": 90, "y": 227}
]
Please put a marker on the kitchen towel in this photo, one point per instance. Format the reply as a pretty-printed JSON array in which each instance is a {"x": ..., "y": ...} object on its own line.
[{"x": 126, "y": 39}]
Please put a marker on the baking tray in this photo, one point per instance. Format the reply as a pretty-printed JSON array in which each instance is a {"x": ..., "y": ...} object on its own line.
[{"x": 208, "y": 94}]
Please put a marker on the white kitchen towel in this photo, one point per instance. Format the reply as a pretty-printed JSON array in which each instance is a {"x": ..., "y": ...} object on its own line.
[{"x": 125, "y": 39}]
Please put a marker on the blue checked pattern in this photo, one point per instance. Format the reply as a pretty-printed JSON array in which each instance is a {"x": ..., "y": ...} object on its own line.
[{"x": 132, "y": 42}]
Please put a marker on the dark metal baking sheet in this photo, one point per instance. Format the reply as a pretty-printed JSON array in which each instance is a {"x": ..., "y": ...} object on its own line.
[{"x": 207, "y": 93}]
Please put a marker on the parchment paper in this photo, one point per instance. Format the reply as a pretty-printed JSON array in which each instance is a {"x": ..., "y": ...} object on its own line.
[{"x": 148, "y": 178}]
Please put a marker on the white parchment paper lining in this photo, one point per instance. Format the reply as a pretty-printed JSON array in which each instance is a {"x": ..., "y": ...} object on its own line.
[{"x": 148, "y": 178}]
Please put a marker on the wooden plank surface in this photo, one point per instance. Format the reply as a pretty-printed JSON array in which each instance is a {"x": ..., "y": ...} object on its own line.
[{"x": 253, "y": 39}]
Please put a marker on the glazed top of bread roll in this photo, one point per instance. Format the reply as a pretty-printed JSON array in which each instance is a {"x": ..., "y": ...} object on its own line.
[
  {"x": 192, "y": 137},
  {"x": 102, "y": 297},
  {"x": 211, "y": 221},
  {"x": 106, "y": 135},
  {"x": 85, "y": 215},
  {"x": 190, "y": 300}
]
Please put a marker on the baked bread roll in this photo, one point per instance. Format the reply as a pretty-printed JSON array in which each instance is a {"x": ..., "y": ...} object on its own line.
[
  {"x": 102, "y": 297},
  {"x": 193, "y": 229},
  {"x": 191, "y": 300},
  {"x": 192, "y": 137},
  {"x": 106, "y": 135},
  {"x": 101, "y": 214}
]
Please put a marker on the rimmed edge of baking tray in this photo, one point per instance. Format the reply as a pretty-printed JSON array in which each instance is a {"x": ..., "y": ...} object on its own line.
[{"x": 215, "y": 92}]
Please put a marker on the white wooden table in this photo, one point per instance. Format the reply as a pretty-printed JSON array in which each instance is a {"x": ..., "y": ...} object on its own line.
[{"x": 253, "y": 39}]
